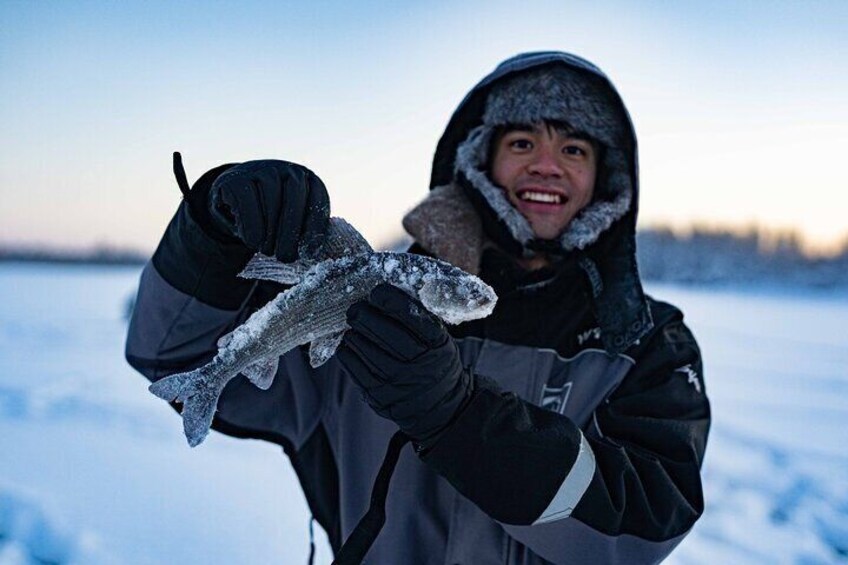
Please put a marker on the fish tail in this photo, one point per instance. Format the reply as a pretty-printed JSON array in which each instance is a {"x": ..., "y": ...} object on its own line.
[
  {"x": 198, "y": 413},
  {"x": 174, "y": 387},
  {"x": 171, "y": 387},
  {"x": 197, "y": 392}
]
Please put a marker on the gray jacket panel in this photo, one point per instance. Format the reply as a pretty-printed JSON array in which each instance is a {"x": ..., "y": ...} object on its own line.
[
  {"x": 428, "y": 521},
  {"x": 171, "y": 331}
]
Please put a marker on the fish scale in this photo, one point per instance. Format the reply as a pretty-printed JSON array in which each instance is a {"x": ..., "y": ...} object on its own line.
[{"x": 313, "y": 310}]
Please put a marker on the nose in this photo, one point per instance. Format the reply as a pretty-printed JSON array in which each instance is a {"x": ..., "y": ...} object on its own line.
[{"x": 545, "y": 162}]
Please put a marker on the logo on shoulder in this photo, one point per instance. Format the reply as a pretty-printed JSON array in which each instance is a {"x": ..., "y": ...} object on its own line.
[
  {"x": 590, "y": 334},
  {"x": 691, "y": 375},
  {"x": 555, "y": 398}
]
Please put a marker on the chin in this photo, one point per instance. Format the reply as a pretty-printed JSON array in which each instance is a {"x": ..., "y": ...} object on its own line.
[
  {"x": 547, "y": 236},
  {"x": 548, "y": 232}
]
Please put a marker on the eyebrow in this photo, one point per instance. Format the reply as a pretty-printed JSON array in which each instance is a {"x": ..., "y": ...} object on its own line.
[
  {"x": 519, "y": 127},
  {"x": 582, "y": 135},
  {"x": 559, "y": 128}
]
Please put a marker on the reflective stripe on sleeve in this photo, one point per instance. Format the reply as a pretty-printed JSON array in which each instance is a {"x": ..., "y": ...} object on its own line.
[{"x": 573, "y": 487}]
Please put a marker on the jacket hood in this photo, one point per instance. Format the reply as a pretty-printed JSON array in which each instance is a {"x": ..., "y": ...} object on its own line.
[{"x": 603, "y": 236}]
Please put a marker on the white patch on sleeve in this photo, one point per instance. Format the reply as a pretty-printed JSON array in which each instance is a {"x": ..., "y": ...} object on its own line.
[
  {"x": 691, "y": 375},
  {"x": 573, "y": 487}
]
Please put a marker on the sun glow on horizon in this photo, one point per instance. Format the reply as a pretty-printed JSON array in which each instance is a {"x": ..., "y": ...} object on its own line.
[{"x": 739, "y": 108}]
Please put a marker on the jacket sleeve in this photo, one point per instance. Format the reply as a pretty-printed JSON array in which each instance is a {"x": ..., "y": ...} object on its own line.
[
  {"x": 189, "y": 296},
  {"x": 626, "y": 489}
]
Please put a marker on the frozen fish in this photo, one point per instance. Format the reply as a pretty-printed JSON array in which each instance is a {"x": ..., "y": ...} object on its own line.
[{"x": 312, "y": 311}]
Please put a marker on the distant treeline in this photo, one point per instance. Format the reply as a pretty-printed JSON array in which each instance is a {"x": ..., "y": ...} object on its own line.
[
  {"x": 98, "y": 256},
  {"x": 707, "y": 256},
  {"x": 703, "y": 256}
]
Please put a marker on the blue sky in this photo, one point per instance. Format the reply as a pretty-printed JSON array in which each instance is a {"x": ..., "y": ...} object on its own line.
[{"x": 739, "y": 106}]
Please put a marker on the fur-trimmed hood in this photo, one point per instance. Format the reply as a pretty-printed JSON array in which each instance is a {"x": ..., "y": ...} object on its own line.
[
  {"x": 554, "y": 94},
  {"x": 452, "y": 227}
]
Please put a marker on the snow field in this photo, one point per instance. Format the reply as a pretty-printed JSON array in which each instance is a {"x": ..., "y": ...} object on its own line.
[
  {"x": 94, "y": 469},
  {"x": 776, "y": 469}
]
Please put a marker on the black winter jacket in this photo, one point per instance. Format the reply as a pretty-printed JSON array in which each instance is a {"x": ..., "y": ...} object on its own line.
[{"x": 581, "y": 380}]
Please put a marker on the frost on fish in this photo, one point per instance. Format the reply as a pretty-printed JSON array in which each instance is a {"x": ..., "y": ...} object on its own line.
[
  {"x": 313, "y": 311},
  {"x": 322, "y": 348},
  {"x": 262, "y": 372}
]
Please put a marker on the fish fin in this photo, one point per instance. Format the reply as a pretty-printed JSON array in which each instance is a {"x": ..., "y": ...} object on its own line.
[
  {"x": 198, "y": 414},
  {"x": 169, "y": 388},
  {"x": 199, "y": 400},
  {"x": 268, "y": 268},
  {"x": 342, "y": 240},
  {"x": 262, "y": 372},
  {"x": 225, "y": 340},
  {"x": 322, "y": 348}
]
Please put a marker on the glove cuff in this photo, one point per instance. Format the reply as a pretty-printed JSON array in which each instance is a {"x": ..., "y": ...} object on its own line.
[
  {"x": 507, "y": 456},
  {"x": 196, "y": 258},
  {"x": 445, "y": 412}
]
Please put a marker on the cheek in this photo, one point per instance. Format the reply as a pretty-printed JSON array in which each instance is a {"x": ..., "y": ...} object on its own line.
[
  {"x": 499, "y": 174},
  {"x": 588, "y": 184},
  {"x": 505, "y": 168},
  {"x": 585, "y": 185}
]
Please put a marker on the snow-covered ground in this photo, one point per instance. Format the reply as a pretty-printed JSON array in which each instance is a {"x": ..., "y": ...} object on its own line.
[{"x": 94, "y": 469}]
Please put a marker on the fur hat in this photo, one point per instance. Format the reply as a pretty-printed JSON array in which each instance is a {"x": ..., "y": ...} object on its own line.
[{"x": 554, "y": 93}]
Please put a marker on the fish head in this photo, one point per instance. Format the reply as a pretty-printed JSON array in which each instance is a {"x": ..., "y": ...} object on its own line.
[{"x": 455, "y": 296}]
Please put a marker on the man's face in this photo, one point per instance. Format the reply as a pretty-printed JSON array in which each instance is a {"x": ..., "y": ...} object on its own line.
[{"x": 547, "y": 173}]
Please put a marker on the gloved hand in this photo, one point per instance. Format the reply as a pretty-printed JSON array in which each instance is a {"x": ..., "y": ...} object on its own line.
[
  {"x": 272, "y": 207},
  {"x": 406, "y": 364}
]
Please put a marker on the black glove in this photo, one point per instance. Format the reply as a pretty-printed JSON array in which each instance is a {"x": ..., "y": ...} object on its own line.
[
  {"x": 272, "y": 207},
  {"x": 406, "y": 364}
]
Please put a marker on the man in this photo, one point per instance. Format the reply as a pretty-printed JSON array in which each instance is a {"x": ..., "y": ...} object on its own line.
[{"x": 567, "y": 427}]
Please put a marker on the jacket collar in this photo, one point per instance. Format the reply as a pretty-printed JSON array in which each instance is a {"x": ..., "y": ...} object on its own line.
[{"x": 447, "y": 225}]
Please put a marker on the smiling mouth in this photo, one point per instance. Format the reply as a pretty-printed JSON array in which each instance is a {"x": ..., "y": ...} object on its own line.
[{"x": 541, "y": 197}]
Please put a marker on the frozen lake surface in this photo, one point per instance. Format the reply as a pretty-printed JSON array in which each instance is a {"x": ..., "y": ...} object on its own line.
[{"x": 94, "y": 469}]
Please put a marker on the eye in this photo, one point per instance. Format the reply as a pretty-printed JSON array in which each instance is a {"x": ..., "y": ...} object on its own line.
[
  {"x": 575, "y": 150},
  {"x": 521, "y": 144}
]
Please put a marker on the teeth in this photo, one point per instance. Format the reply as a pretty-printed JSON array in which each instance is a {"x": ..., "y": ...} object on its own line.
[{"x": 546, "y": 197}]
